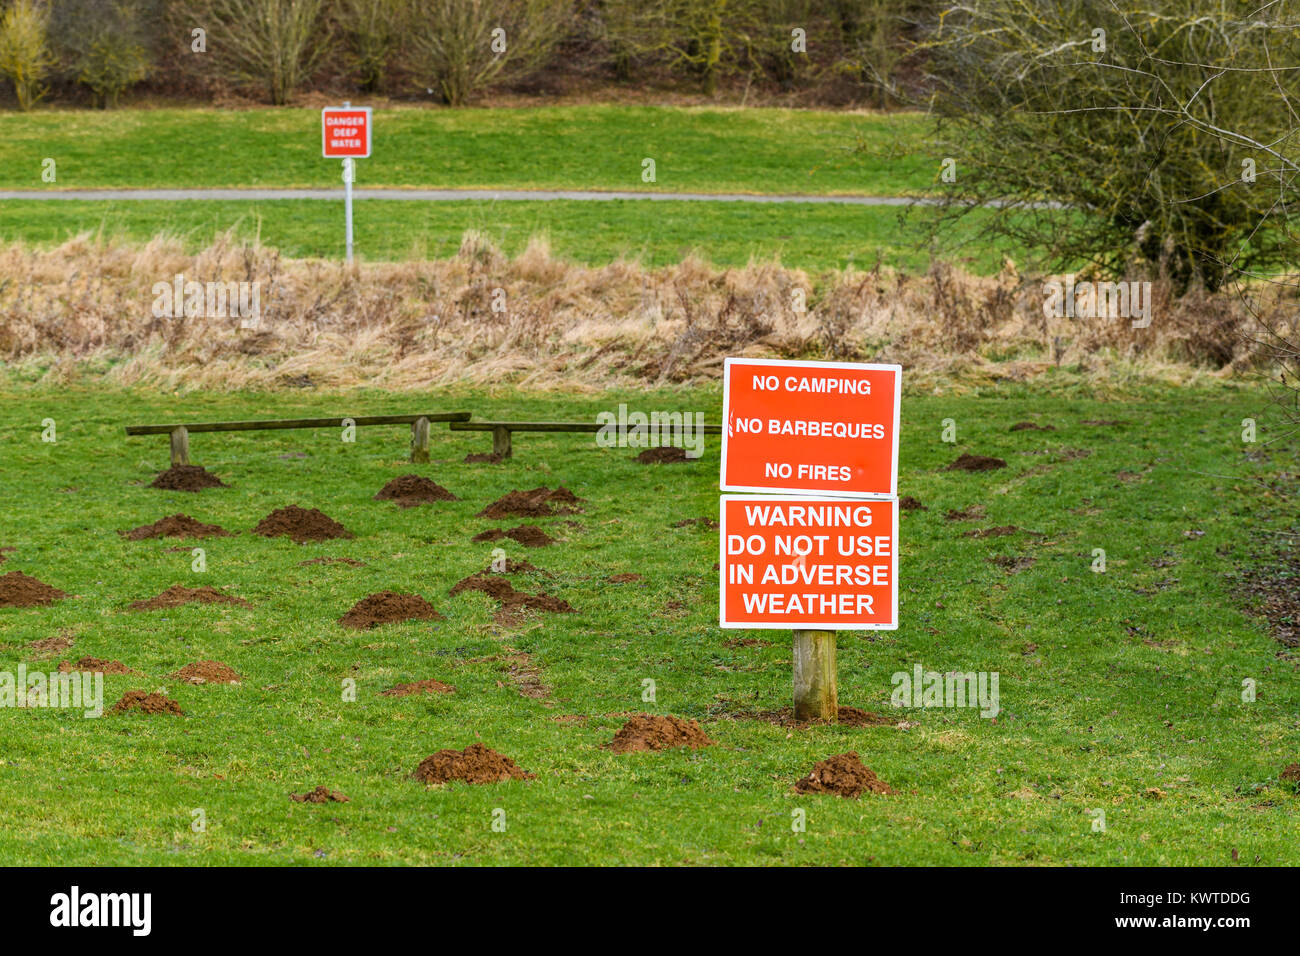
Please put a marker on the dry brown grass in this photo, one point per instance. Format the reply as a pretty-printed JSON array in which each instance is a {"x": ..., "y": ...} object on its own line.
[{"x": 84, "y": 309}]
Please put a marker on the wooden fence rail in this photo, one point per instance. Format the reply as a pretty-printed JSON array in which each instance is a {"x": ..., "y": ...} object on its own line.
[
  {"x": 180, "y": 432},
  {"x": 501, "y": 431},
  {"x": 457, "y": 421}
]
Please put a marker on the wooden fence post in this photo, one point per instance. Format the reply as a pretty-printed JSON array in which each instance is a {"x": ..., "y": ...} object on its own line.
[
  {"x": 815, "y": 694},
  {"x": 180, "y": 445},
  {"x": 501, "y": 441},
  {"x": 420, "y": 441}
]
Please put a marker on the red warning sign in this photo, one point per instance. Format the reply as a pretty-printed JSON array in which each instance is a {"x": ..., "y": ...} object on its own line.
[
  {"x": 809, "y": 563},
  {"x": 345, "y": 132},
  {"x": 828, "y": 428}
]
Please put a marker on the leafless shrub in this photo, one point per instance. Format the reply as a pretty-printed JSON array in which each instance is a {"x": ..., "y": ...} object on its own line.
[
  {"x": 24, "y": 49},
  {"x": 460, "y": 46},
  {"x": 272, "y": 44}
]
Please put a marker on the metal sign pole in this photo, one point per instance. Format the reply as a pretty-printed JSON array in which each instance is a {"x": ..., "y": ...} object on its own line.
[{"x": 348, "y": 167}]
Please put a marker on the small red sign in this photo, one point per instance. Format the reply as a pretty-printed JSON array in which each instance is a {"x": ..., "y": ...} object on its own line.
[
  {"x": 809, "y": 563},
  {"x": 345, "y": 132},
  {"x": 827, "y": 428}
]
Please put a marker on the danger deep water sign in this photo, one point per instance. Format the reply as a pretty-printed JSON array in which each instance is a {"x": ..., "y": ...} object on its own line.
[
  {"x": 815, "y": 563},
  {"x": 345, "y": 132},
  {"x": 810, "y": 427}
]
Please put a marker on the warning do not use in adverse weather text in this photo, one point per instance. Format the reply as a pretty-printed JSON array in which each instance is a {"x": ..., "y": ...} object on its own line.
[{"x": 810, "y": 563}]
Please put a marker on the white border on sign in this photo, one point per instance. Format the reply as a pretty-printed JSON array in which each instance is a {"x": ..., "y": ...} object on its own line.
[
  {"x": 831, "y": 492},
  {"x": 787, "y": 626},
  {"x": 370, "y": 125}
]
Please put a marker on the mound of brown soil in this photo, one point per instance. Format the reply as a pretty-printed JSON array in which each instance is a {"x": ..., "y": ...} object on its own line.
[
  {"x": 658, "y": 732},
  {"x": 93, "y": 665},
  {"x": 516, "y": 567},
  {"x": 1103, "y": 421},
  {"x": 537, "y": 503},
  {"x": 973, "y": 513},
  {"x": 857, "y": 717},
  {"x": 512, "y": 601},
  {"x": 175, "y": 526},
  {"x": 178, "y": 595},
  {"x": 976, "y": 463},
  {"x": 493, "y": 585},
  {"x": 474, "y": 764},
  {"x": 301, "y": 524},
  {"x": 665, "y": 455},
  {"x": 704, "y": 524},
  {"x": 319, "y": 795},
  {"x": 845, "y": 717},
  {"x": 21, "y": 590},
  {"x": 419, "y": 687},
  {"x": 187, "y": 478},
  {"x": 908, "y": 503},
  {"x": 529, "y": 535},
  {"x": 483, "y": 458},
  {"x": 5, "y": 552},
  {"x": 387, "y": 607},
  {"x": 147, "y": 703},
  {"x": 411, "y": 490},
  {"x": 47, "y": 647},
  {"x": 738, "y": 642},
  {"x": 206, "y": 672},
  {"x": 1032, "y": 426},
  {"x": 1013, "y": 563},
  {"x": 628, "y": 578},
  {"x": 843, "y": 775},
  {"x": 350, "y": 562},
  {"x": 1001, "y": 531},
  {"x": 1291, "y": 773}
]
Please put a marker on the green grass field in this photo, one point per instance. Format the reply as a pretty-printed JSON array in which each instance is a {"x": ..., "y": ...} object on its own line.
[
  {"x": 1119, "y": 691},
  {"x": 592, "y": 147},
  {"x": 813, "y": 237},
  {"x": 555, "y": 147}
]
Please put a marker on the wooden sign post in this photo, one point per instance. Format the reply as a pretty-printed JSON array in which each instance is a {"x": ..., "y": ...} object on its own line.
[
  {"x": 815, "y": 694},
  {"x": 822, "y": 556}
]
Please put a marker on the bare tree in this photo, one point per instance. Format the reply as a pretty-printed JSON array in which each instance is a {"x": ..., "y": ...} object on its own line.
[
  {"x": 458, "y": 47},
  {"x": 24, "y": 49},
  {"x": 1165, "y": 128},
  {"x": 373, "y": 31},
  {"x": 1134, "y": 134},
  {"x": 274, "y": 44},
  {"x": 705, "y": 38},
  {"x": 105, "y": 45}
]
